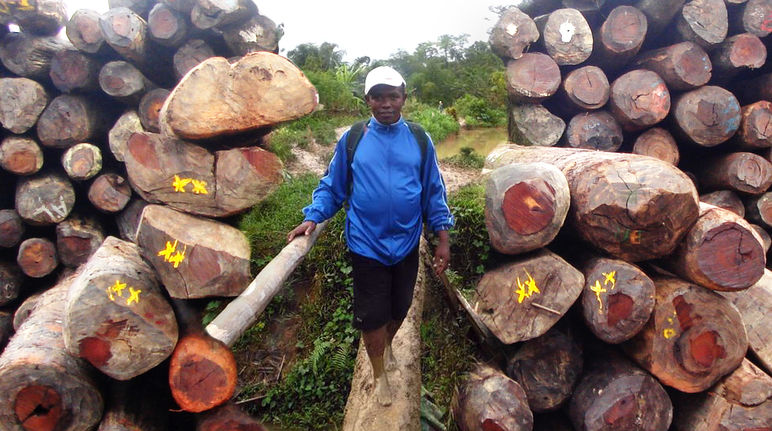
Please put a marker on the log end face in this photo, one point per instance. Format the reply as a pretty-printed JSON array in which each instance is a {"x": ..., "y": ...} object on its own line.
[
  {"x": 202, "y": 373},
  {"x": 529, "y": 206},
  {"x": 731, "y": 258},
  {"x": 95, "y": 350},
  {"x": 39, "y": 407}
]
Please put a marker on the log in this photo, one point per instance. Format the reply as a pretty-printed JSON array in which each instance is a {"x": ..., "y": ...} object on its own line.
[
  {"x": 632, "y": 207},
  {"x": 109, "y": 193},
  {"x": 534, "y": 125},
  {"x": 194, "y": 257},
  {"x": 258, "y": 33},
  {"x": 755, "y": 18},
  {"x": 658, "y": 143},
  {"x": 202, "y": 369},
  {"x": 567, "y": 37},
  {"x": 84, "y": 33},
  {"x": 124, "y": 82},
  {"x": 44, "y": 199},
  {"x": 736, "y": 54},
  {"x": 116, "y": 316},
  {"x": 523, "y": 299},
  {"x": 42, "y": 387},
  {"x": 140, "y": 7},
  {"x": 126, "y": 32},
  {"x": 532, "y": 78},
  {"x": 20, "y": 155},
  {"x": 128, "y": 219},
  {"x": 721, "y": 252},
  {"x": 82, "y": 161},
  {"x": 11, "y": 228},
  {"x": 218, "y": 98},
  {"x": 617, "y": 299},
  {"x": 513, "y": 34},
  {"x": 74, "y": 71},
  {"x": 659, "y": 13},
  {"x": 40, "y": 17},
  {"x": 189, "y": 55},
  {"x": 683, "y": 66},
  {"x": 137, "y": 404},
  {"x": 741, "y": 401},
  {"x": 706, "y": 116},
  {"x": 726, "y": 199},
  {"x": 547, "y": 368},
  {"x": 489, "y": 400},
  {"x": 614, "y": 394},
  {"x": 525, "y": 206},
  {"x": 584, "y": 89},
  {"x": 620, "y": 37},
  {"x": 118, "y": 136},
  {"x": 29, "y": 56},
  {"x": 167, "y": 26},
  {"x": 704, "y": 22},
  {"x": 694, "y": 338},
  {"x": 755, "y": 306},
  {"x": 22, "y": 101},
  {"x": 214, "y": 13},
  {"x": 639, "y": 99},
  {"x": 242, "y": 312},
  {"x": 246, "y": 176},
  {"x": 71, "y": 119},
  {"x": 755, "y": 132},
  {"x": 759, "y": 209},
  {"x": 228, "y": 417},
  {"x": 741, "y": 171},
  {"x": 766, "y": 239},
  {"x": 6, "y": 328},
  {"x": 37, "y": 257},
  {"x": 77, "y": 238},
  {"x": 596, "y": 130},
  {"x": 11, "y": 279},
  {"x": 25, "y": 309},
  {"x": 150, "y": 107}
]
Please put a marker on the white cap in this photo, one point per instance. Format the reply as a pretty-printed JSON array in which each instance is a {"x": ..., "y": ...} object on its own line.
[{"x": 383, "y": 75}]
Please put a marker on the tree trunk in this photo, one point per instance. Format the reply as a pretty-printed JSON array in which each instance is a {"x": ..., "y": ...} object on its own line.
[
  {"x": 726, "y": 199},
  {"x": 150, "y": 107},
  {"x": 694, "y": 338},
  {"x": 721, "y": 252},
  {"x": 218, "y": 98},
  {"x": 189, "y": 55},
  {"x": 109, "y": 193},
  {"x": 20, "y": 155},
  {"x": 633, "y": 207},
  {"x": 29, "y": 56},
  {"x": 737, "y": 53},
  {"x": 118, "y": 137},
  {"x": 194, "y": 257},
  {"x": 116, "y": 316},
  {"x": 754, "y": 18},
  {"x": 74, "y": 71},
  {"x": 37, "y": 257},
  {"x": 596, "y": 130},
  {"x": 128, "y": 219},
  {"x": 82, "y": 161},
  {"x": 513, "y": 33},
  {"x": 84, "y": 33},
  {"x": 683, "y": 66},
  {"x": 707, "y": 116},
  {"x": 759, "y": 209},
  {"x": 525, "y": 206},
  {"x": 742, "y": 172},
  {"x": 70, "y": 120},
  {"x": 584, "y": 89},
  {"x": 227, "y": 418},
  {"x": 11, "y": 279},
  {"x": 11, "y": 228},
  {"x": 547, "y": 368},
  {"x": 704, "y": 22},
  {"x": 124, "y": 82},
  {"x": 258, "y": 33},
  {"x": 525, "y": 298},
  {"x": 22, "y": 101},
  {"x": 489, "y": 400},
  {"x": 614, "y": 394},
  {"x": 617, "y": 299},
  {"x": 755, "y": 130},
  {"x": 533, "y": 125},
  {"x": 658, "y": 143},
  {"x": 620, "y": 37},
  {"x": 42, "y": 387},
  {"x": 639, "y": 99},
  {"x": 567, "y": 37},
  {"x": 167, "y": 26},
  {"x": 212, "y": 13},
  {"x": 44, "y": 199},
  {"x": 77, "y": 238}
]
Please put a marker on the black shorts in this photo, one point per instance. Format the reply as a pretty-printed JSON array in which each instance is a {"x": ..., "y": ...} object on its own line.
[{"x": 381, "y": 292}]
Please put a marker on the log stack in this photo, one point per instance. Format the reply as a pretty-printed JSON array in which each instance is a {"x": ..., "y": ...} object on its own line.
[{"x": 96, "y": 127}]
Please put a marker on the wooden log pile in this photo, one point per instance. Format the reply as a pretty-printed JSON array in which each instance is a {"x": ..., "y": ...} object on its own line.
[
  {"x": 656, "y": 114},
  {"x": 124, "y": 139}
]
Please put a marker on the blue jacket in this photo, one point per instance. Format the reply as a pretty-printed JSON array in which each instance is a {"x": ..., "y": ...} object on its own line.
[{"x": 386, "y": 208}]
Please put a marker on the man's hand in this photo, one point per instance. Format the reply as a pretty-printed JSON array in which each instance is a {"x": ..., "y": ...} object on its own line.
[
  {"x": 304, "y": 228},
  {"x": 442, "y": 253}
]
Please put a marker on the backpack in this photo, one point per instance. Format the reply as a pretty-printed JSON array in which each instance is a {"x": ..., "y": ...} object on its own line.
[{"x": 357, "y": 132}]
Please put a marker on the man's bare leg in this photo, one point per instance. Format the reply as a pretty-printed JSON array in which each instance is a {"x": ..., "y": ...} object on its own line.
[
  {"x": 375, "y": 343},
  {"x": 388, "y": 354}
]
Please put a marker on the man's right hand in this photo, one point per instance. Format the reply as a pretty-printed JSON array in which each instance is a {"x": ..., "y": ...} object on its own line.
[{"x": 304, "y": 228}]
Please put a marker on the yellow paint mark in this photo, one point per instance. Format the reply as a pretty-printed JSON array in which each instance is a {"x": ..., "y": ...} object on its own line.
[
  {"x": 167, "y": 252},
  {"x": 598, "y": 289},
  {"x": 118, "y": 288},
  {"x": 199, "y": 187},
  {"x": 610, "y": 278},
  {"x": 178, "y": 257},
  {"x": 133, "y": 295},
  {"x": 172, "y": 255},
  {"x": 180, "y": 183},
  {"x": 669, "y": 333},
  {"x": 529, "y": 284},
  {"x": 21, "y": 5}
]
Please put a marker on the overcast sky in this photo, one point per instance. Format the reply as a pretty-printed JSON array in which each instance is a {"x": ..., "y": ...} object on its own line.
[{"x": 375, "y": 29}]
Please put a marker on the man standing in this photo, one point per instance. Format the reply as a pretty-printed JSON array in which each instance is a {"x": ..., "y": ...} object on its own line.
[{"x": 391, "y": 186}]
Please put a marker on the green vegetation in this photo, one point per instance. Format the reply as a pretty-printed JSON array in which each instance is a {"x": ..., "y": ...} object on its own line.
[
  {"x": 438, "y": 124},
  {"x": 479, "y": 113},
  {"x": 471, "y": 246},
  {"x": 467, "y": 158}
]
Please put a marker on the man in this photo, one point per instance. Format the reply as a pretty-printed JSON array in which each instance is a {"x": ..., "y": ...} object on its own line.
[{"x": 395, "y": 185}]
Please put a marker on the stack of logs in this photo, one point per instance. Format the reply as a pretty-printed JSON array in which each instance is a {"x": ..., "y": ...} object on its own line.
[
  {"x": 130, "y": 124},
  {"x": 631, "y": 214}
]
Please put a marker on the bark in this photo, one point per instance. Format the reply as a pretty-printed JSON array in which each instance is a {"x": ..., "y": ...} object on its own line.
[
  {"x": 759, "y": 209},
  {"x": 84, "y": 33},
  {"x": 194, "y": 257},
  {"x": 726, "y": 199},
  {"x": 128, "y": 219},
  {"x": 639, "y": 99},
  {"x": 82, "y": 161},
  {"x": 721, "y": 252},
  {"x": 116, "y": 316},
  {"x": 150, "y": 107},
  {"x": 70, "y": 119},
  {"x": 633, "y": 207},
  {"x": 737, "y": 53},
  {"x": 124, "y": 82},
  {"x": 683, "y": 66},
  {"x": 11, "y": 228},
  {"x": 525, "y": 206},
  {"x": 44, "y": 199},
  {"x": 37, "y": 257},
  {"x": 109, "y": 193},
  {"x": 6, "y": 327},
  {"x": 706, "y": 116},
  {"x": 258, "y": 33},
  {"x": 20, "y": 155},
  {"x": 533, "y": 125},
  {"x": 743, "y": 172},
  {"x": 567, "y": 37},
  {"x": 489, "y": 400},
  {"x": 22, "y": 101},
  {"x": 126, "y": 32},
  {"x": 694, "y": 338},
  {"x": 755, "y": 130},
  {"x": 74, "y": 71},
  {"x": 754, "y": 18},
  {"x": 11, "y": 279},
  {"x": 189, "y": 55},
  {"x": 167, "y": 26},
  {"x": 42, "y": 387},
  {"x": 658, "y": 143},
  {"x": 766, "y": 239},
  {"x": 212, "y": 13},
  {"x": 217, "y": 98},
  {"x": 118, "y": 137},
  {"x": 77, "y": 238},
  {"x": 547, "y": 368},
  {"x": 620, "y": 37},
  {"x": 228, "y": 418},
  {"x": 523, "y": 299},
  {"x": 513, "y": 33},
  {"x": 597, "y": 130},
  {"x": 704, "y": 22},
  {"x": 24, "y": 310},
  {"x": 29, "y": 56},
  {"x": 40, "y": 17},
  {"x": 584, "y": 89}
]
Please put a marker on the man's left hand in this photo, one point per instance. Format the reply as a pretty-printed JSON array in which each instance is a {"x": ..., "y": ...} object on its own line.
[{"x": 442, "y": 253}]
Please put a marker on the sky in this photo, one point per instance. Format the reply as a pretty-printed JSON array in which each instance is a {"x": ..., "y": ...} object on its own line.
[{"x": 366, "y": 28}]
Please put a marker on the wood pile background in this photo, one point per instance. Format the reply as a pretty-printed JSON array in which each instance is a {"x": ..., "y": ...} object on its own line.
[
  {"x": 127, "y": 138},
  {"x": 630, "y": 214}
]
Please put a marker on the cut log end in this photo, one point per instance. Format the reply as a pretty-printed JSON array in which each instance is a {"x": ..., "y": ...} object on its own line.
[
  {"x": 731, "y": 257},
  {"x": 529, "y": 206},
  {"x": 202, "y": 373},
  {"x": 39, "y": 407}
]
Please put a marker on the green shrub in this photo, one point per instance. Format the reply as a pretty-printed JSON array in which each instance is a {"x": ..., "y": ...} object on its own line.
[
  {"x": 438, "y": 124},
  {"x": 478, "y": 112},
  {"x": 467, "y": 158},
  {"x": 335, "y": 94},
  {"x": 470, "y": 245}
]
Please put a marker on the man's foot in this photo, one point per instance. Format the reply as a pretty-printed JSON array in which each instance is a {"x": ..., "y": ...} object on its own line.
[
  {"x": 389, "y": 361},
  {"x": 383, "y": 391}
]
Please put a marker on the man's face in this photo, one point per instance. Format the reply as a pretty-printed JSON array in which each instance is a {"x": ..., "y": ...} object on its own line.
[{"x": 386, "y": 103}]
